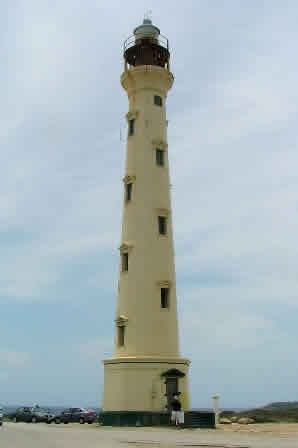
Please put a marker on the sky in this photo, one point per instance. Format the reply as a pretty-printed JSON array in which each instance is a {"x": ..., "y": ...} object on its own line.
[{"x": 233, "y": 164}]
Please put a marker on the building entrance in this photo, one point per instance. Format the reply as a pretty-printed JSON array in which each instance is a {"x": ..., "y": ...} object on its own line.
[
  {"x": 172, "y": 388},
  {"x": 172, "y": 384}
]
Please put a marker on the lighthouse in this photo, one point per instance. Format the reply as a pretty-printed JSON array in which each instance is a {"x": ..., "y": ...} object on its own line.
[{"x": 146, "y": 368}]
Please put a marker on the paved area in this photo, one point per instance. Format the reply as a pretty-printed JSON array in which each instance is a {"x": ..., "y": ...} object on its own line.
[{"x": 28, "y": 435}]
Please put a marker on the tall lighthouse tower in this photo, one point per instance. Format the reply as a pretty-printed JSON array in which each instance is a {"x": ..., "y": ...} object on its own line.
[{"x": 147, "y": 367}]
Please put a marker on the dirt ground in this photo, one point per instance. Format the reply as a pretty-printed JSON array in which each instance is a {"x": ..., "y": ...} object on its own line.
[
  {"x": 26, "y": 435},
  {"x": 268, "y": 428}
]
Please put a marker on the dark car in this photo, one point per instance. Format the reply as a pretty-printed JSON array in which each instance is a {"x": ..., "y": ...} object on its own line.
[
  {"x": 79, "y": 415},
  {"x": 29, "y": 414},
  {"x": 1, "y": 416}
]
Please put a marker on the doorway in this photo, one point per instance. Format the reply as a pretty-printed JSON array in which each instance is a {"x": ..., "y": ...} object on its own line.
[
  {"x": 172, "y": 388},
  {"x": 172, "y": 382}
]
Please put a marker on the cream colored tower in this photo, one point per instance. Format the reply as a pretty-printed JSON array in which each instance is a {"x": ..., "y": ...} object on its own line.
[{"x": 147, "y": 368}]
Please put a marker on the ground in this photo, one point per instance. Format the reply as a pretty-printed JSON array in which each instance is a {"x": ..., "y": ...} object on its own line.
[
  {"x": 28, "y": 435},
  {"x": 282, "y": 429}
]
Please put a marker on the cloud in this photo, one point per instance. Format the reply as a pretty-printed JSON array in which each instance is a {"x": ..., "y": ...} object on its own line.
[
  {"x": 233, "y": 157},
  {"x": 13, "y": 359},
  {"x": 95, "y": 350}
]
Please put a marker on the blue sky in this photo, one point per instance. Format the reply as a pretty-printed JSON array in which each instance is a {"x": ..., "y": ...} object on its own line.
[{"x": 233, "y": 154}]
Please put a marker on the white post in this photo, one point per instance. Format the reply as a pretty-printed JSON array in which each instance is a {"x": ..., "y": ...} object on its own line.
[{"x": 215, "y": 399}]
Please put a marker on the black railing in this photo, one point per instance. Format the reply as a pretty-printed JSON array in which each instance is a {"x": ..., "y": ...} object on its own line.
[{"x": 131, "y": 41}]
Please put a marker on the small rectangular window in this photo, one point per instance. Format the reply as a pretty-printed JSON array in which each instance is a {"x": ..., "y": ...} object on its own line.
[
  {"x": 157, "y": 100},
  {"x": 131, "y": 127},
  {"x": 128, "y": 192},
  {"x": 124, "y": 262},
  {"x": 160, "y": 157},
  {"x": 162, "y": 225},
  {"x": 164, "y": 297},
  {"x": 121, "y": 332}
]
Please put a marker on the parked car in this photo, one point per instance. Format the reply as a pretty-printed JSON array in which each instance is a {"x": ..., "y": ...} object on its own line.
[
  {"x": 29, "y": 414},
  {"x": 79, "y": 415},
  {"x": 1, "y": 416}
]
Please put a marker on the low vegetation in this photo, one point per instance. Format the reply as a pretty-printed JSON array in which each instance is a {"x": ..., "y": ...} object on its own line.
[{"x": 281, "y": 412}]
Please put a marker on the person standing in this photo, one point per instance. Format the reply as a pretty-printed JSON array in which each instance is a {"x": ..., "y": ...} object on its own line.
[{"x": 177, "y": 416}]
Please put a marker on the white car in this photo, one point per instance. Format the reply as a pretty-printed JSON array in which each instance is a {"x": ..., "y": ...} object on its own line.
[{"x": 1, "y": 416}]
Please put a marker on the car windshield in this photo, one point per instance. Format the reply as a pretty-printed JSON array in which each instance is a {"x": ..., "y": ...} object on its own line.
[{"x": 40, "y": 410}]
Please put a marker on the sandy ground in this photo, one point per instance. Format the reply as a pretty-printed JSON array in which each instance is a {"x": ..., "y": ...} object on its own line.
[
  {"x": 266, "y": 428},
  {"x": 28, "y": 435}
]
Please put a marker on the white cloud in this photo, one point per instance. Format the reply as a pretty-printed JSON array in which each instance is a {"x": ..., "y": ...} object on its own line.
[
  {"x": 96, "y": 350},
  {"x": 13, "y": 359},
  {"x": 233, "y": 153}
]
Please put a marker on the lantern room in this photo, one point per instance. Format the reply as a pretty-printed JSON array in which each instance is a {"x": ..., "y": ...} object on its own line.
[{"x": 146, "y": 47}]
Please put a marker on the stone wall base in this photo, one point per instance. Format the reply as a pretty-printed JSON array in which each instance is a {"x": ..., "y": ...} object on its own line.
[{"x": 192, "y": 419}]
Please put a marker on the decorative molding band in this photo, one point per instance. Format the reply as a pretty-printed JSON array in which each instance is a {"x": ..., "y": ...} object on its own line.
[
  {"x": 132, "y": 115},
  {"x": 121, "y": 321},
  {"x": 147, "y": 360},
  {"x": 160, "y": 144},
  {"x": 125, "y": 248},
  {"x": 163, "y": 212},
  {"x": 164, "y": 283},
  {"x": 129, "y": 179}
]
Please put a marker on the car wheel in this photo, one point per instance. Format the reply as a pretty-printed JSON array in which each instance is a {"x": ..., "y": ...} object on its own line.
[
  {"x": 33, "y": 420},
  {"x": 89, "y": 423},
  {"x": 14, "y": 419},
  {"x": 82, "y": 421},
  {"x": 57, "y": 421},
  {"x": 65, "y": 423}
]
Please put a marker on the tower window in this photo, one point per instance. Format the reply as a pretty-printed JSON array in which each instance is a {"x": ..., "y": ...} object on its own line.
[
  {"x": 131, "y": 127},
  {"x": 164, "y": 297},
  {"x": 157, "y": 100},
  {"x": 128, "y": 192},
  {"x": 162, "y": 225},
  {"x": 121, "y": 334},
  {"x": 124, "y": 259},
  {"x": 160, "y": 160}
]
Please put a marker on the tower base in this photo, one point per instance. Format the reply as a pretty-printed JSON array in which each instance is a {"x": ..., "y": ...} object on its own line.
[
  {"x": 144, "y": 384},
  {"x": 192, "y": 419}
]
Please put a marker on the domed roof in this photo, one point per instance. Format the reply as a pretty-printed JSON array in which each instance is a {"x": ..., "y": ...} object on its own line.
[{"x": 146, "y": 30}]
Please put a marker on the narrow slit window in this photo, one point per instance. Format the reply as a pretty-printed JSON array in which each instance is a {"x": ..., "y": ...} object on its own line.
[
  {"x": 157, "y": 100},
  {"x": 124, "y": 258},
  {"x": 162, "y": 225},
  {"x": 164, "y": 297},
  {"x": 131, "y": 127},
  {"x": 128, "y": 192},
  {"x": 121, "y": 334},
  {"x": 160, "y": 157}
]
